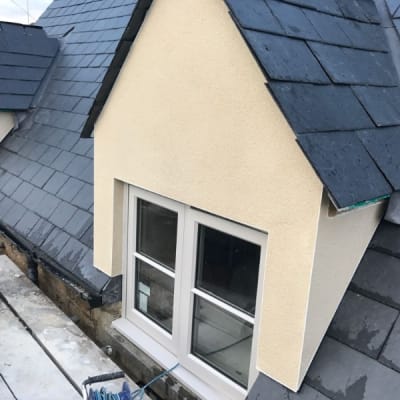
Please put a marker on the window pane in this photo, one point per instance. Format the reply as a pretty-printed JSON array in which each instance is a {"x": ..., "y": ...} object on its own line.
[
  {"x": 222, "y": 340},
  {"x": 227, "y": 267},
  {"x": 156, "y": 233},
  {"x": 154, "y": 294}
]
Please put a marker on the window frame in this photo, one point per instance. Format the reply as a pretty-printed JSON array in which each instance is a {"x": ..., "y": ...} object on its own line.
[{"x": 179, "y": 343}]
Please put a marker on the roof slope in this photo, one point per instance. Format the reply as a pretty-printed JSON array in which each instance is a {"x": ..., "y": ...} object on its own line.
[
  {"x": 329, "y": 68},
  {"x": 359, "y": 359},
  {"x": 46, "y": 169},
  {"x": 26, "y": 55}
]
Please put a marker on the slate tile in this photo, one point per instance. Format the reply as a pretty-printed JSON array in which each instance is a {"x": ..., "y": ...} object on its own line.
[
  {"x": 326, "y": 6},
  {"x": 87, "y": 237},
  {"x": 387, "y": 239},
  {"x": 352, "y": 9},
  {"x": 34, "y": 198},
  {"x": 84, "y": 106},
  {"x": 37, "y": 151},
  {"x": 12, "y": 184},
  {"x": 78, "y": 224},
  {"x": 62, "y": 214},
  {"x": 82, "y": 146},
  {"x": 42, "y": 176},
  {"x": 30, "y": 171},
  {"x": 84, "y": 199},
  {"x": 90, "y": 274},
  {"x": 47, "y": 206},
  {"x": 344, "y": 166},
  {"x": 77, "y": 166},
  {"x": 55, "y": 242},
  {"x": 14, "y": 214},
  {"x": 384, "y": 147},
  {"x": 391, "y": 353},
  {"x": 265, "y": 388},
  {"x": 340, "y": 373},
  {"x": 5, "y": 205},
  {"x": 381, "y": 103},
  {"x": 69, "y": 141},
  {"x": 71, "y": 253},
  {"x": 362, "y": 323},
  {"x": 356, "y": 67},
  {"x": 49, "y": 155},
  {"x": 287, "y": 59},
  {"x": 70, "y": 189},
  {"x": 378, "y": 277},
  {"x": 26, "y": 223},
  {"x": 22, "y": 192},
  {"x": 327, "y": 27},
  {"x": 88, "y": 174},
  {"x": 293, "y": 20},
  {"x": 364, "y": 36},
  {"x": 62, "y": 160},
  {"x": 13, "y": 143},
  {"x": 4, "y": 177},
  {"x": 254, "y": 15},
  {"x": 319, "y": 108},
  {"x": 56, "y": 182}
]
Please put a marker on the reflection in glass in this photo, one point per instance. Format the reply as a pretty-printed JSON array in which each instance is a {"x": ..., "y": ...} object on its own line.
[
  {"x": 156, "y": 233},
  {"x": 227, "y": 267},
  {"x": 154, "y": 294},
  {"x": 222, "y": 340}
]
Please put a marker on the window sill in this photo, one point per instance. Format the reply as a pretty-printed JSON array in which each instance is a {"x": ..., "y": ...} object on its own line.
[{"x": 165, "y": 359}]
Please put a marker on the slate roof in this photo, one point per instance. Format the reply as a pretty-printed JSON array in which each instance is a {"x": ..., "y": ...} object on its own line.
[
  {"x": 26, "y": 55},
  {"x": 359, "y": 359},
  {"x": 46, "y": 169},
  {"x": 330, "y": 69}
]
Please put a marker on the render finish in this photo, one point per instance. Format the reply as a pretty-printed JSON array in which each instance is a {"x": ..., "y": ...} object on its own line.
[{"x": 6, "y": 124}]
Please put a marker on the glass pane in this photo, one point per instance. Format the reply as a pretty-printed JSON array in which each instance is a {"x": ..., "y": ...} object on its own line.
[
  {"x": 156, "y": 233},
  {"x": 227, "y": 267},
  {"x": 222, "y": 340},
  {"x": 154, "y": 294}
]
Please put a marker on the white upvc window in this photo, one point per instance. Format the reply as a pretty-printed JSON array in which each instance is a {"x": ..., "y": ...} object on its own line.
[{"x": 193, "y": 285}]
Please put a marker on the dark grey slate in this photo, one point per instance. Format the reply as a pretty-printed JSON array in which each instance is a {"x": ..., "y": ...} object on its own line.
[
  {"x": 328, "y": 28},
  {"x": 384, "y": 147},
  {"x": 22, "y": 192},
  {"x": 70, "y": 189},
  {"x": 391, "y": 353},
  {"x": 387, "y": 239},
  {"x": 342, "y": 373},
  {"x": 378, "y": 277},
  {"x": 71, "y": 253},
  {"x": 265, "y": 388},
  {"x": 362, "y": 323},
  {"x": 293, "y": 20},
  {"x": 40, "y": 232},
  {"x": 255, "y": 15},
  {"x": 62, "y": 215},
  {"x": 326, "y": 6},
  {"x": 84, "y": 198},
  {"x": 78, "y": 223},
  {"x": 356, "y": 67},
  {"x": 55, "y": 242},
  {"x": 26, "y": 223},
  {"x": 382, "y": 103},
  {"x": 93, "y": 277},
  {"x": 14, "y": 214},
  {"x": 26, "y": 54},
  {"x": 285, "y": 59},
  {"x": 345, "y": 167},
  {"x": 316, "y": 108},
  {"x": 56, "y": 182}
]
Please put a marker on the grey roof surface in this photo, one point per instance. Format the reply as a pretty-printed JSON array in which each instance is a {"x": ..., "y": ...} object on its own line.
[
  {"x": 329, "y": 66},
  {"x": 46, "y": 169},
  {"x": 359, "y": 358},
  {"x": 26, "y": 55}
]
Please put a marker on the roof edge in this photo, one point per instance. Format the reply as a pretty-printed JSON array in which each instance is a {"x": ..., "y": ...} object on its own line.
[{"x": 124, "y": 46}]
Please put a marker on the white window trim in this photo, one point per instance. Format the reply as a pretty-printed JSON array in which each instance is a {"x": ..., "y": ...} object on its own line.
[{"x": 168, "y": 349}]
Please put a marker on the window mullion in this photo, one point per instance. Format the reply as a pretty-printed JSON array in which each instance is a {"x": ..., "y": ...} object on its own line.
[
  {"x": 224, "y": 306},
  {"x": 153, "y": 264}
]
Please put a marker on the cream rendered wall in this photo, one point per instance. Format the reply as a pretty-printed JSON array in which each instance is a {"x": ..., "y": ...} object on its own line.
[
  {"x": 190, "y": 118},
  {"x": 6, "y": 124},
  {"x": 342, "y": 240}
]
